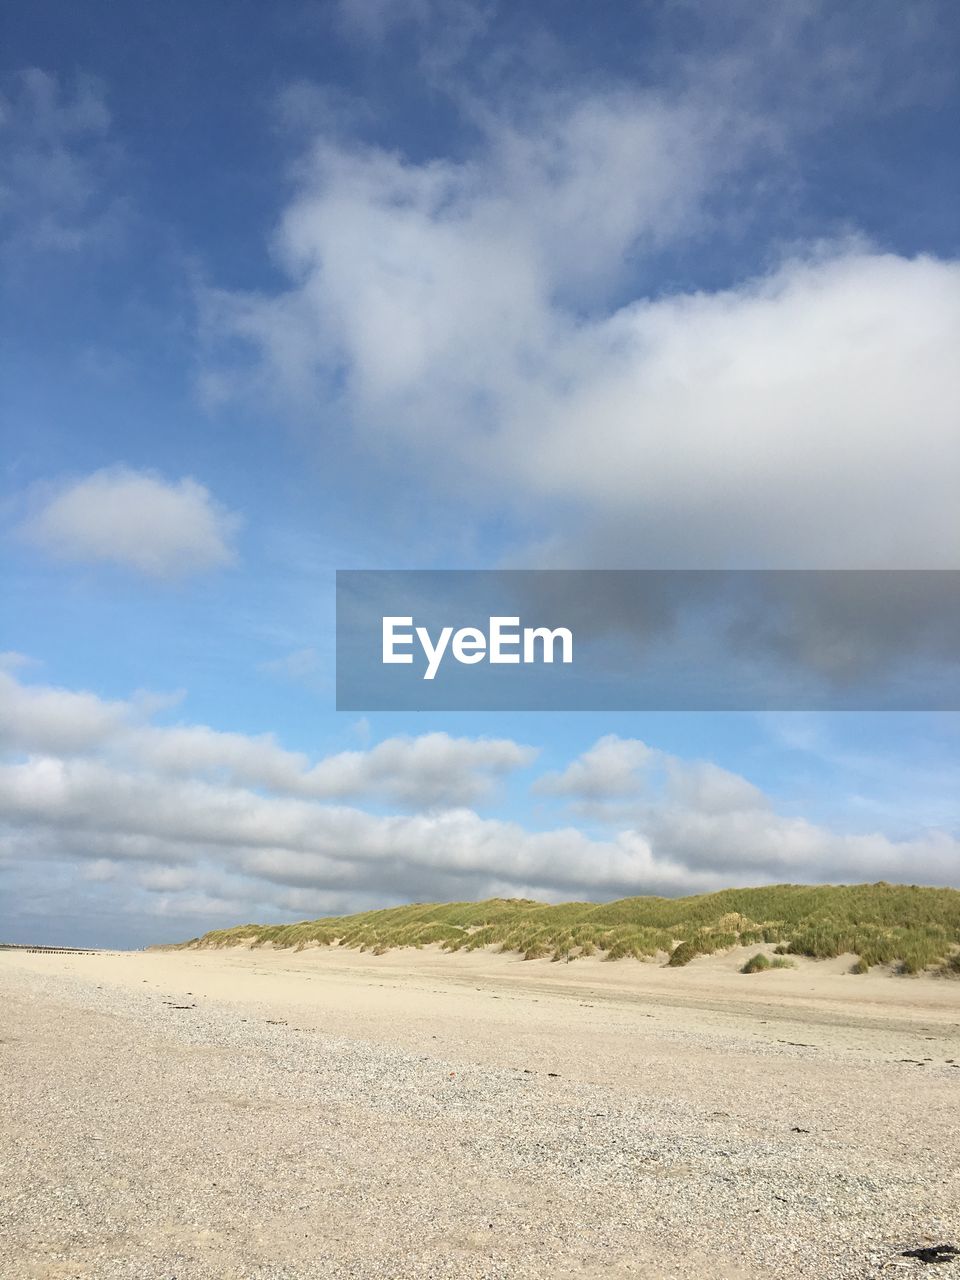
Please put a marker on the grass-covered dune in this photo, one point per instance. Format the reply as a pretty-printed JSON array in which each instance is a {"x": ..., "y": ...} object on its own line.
[{"x": 907, "y": 926}]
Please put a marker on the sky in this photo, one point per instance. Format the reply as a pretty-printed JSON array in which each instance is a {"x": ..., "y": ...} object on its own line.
[{"x": 361, "y": 284}]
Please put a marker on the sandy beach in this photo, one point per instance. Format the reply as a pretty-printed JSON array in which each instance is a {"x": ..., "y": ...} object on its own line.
[{"x": 332, "y": 1113}]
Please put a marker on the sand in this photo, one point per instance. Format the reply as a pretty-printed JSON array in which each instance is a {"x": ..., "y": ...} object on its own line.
[{"x": 331, "y": 1113}]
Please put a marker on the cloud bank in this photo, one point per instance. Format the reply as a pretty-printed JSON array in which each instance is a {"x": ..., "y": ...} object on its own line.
[{"x": 186, "y": 821}]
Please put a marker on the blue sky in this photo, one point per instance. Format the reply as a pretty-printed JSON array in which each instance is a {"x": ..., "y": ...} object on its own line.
[{"x": 298, "y": 287}]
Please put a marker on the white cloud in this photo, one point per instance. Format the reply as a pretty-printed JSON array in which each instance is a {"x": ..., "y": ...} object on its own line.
[
  {"x": 490, "y": 314},
  {"x": 614, "y": 767},
  {"x": 138, "y": 520},
  {"x": 613, "y": 774},
  {"x": 705, "y": 819},
  {"x": 45, "y": 719},
  {"x": 303, "y": 843},
  {"x": 183, "y": 817},
  {"x": 705, "y": 788},
  {"x": 431, "y": 770},
  {"x": 429, "y": 276},
  {"x": 804, "y": 418}
]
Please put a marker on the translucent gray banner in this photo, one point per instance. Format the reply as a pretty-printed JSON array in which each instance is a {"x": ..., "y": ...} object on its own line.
[{"x": 646, "y": 640}]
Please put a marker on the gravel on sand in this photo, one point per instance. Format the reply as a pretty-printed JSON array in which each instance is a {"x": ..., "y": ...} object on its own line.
[{"x": 171, "y": 1138}]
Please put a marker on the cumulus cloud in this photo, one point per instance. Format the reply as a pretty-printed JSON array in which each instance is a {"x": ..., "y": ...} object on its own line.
[
  {"x": 429, "y": 770},
  {"x": 708, "y": 413},
  {"x": 624, "y": 778},
  {"x": 612, "y": 768},
  {"x": 612, "y": 775},
  {"x": 436, "y": 288},
  {"x": 491, "y": 313},
  {"x": 45, "y": 719},
  {"x": 189, "y": 820},
  {"x": 426, "y": 771},
  {"x": 704, "y": 787},
  {"x": 136, "y": 519},
  {"x": 705, "y": 818}
]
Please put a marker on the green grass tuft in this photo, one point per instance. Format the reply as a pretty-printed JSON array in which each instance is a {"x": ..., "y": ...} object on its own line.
[
  {"x": 759, "y": 962},
  {"x": 905, "y": 927}
]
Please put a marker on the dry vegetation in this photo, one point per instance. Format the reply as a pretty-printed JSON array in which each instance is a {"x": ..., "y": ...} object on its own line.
[
  {"x": 905, "y": 926},
  {"x": 760, "y": 962}
]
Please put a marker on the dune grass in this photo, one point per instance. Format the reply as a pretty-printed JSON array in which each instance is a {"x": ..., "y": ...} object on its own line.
[
  {"x": 908, "y": 927},
  {"x": 760, "y": 962}
]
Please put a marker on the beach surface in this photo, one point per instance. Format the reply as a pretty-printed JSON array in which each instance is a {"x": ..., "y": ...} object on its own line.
[{"x": 328, "y": 1113}]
